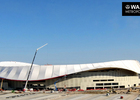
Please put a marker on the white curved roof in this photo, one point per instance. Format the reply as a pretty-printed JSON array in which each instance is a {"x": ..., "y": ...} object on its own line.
[
  {"x": 18, "y": 70},
  {"x": 13, "y": 64}
]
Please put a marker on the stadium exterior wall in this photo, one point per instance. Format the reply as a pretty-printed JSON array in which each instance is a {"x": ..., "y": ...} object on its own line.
[
  {"x": 110, "y": 78},
  {"x": 116, "y": 74}
]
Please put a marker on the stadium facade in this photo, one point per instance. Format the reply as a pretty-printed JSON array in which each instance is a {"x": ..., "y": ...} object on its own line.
[{"x": 114, "y": 74}]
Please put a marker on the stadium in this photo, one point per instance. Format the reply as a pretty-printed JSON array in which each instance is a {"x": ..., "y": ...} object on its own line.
[{"x": 113, "y": 74}]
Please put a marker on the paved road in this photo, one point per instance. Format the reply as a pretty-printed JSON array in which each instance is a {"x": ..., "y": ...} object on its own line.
[
  {"x": 131, "y": 96},
  {"x": 64, "y": 96}
]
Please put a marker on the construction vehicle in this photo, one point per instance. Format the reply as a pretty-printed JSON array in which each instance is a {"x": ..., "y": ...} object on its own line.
[{"x": 58, "y": 81}]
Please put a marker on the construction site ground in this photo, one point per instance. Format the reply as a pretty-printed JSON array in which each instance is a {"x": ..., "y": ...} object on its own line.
[{"x": 7, "y": 95}]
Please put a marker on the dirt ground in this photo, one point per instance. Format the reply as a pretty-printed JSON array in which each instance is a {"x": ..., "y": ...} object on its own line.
[{"x": 78, "y": 95}]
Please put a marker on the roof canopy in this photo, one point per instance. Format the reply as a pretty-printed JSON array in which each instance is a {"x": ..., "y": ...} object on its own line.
[{"x": 19, "y": 71}]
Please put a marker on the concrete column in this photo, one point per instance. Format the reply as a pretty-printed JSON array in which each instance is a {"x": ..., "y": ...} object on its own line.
[
  {"x": 118, "y": 86},
  {"x": 83, "y": 87}
]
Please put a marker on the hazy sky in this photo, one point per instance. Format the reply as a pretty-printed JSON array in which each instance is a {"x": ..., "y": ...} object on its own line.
[{"x": 77, "y": 31}]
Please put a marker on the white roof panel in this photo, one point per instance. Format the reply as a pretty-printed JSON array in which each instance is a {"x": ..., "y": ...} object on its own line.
[
  {"x": 62, "y": 70},
  {"x": 42, "y": 72},
  {"x": 48, "y": 72},
  {"x": 70, "y": 69},
  {"x": 56, "y": 70},
  {"x": 34, "y": 73},
  {"x": 19, "y": 71},
  {"x": 84, "y": 67},
  {"x": 77, "y": 68}
]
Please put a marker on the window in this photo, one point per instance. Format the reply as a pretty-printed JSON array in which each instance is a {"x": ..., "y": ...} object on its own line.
[
  {"x": 103, "y": 80},
  {"x": 114, "y": 83},
  {"x": 96, "y": 80},
  {"x": 107, "y": 87},
  {"x": 107, "y": 83},
  {"x": 122, "y": 86},
  {"x": 110, "y": 79},
  {"x": 99, "y": 84},
  {"x": 115, "y": 87},
  {"x": 99, "y": 87},
  {"x": 90, "y": 88}
]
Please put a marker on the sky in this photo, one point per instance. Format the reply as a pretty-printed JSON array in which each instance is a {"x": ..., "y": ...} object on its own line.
[{"x": 77, "y": 31}]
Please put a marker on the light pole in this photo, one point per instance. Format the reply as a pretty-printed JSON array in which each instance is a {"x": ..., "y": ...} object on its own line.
[{"x": 32, "y": 65}]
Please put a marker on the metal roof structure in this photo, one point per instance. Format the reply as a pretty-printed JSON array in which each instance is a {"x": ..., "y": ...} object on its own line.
[{"x": 18, "y": 71}]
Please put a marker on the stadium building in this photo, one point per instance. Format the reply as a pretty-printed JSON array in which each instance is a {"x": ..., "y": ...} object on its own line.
[{"x": 114, "y": 74}]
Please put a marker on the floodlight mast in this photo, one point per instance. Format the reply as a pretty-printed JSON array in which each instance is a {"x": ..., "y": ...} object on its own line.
[{"x": 32, "y": 65}]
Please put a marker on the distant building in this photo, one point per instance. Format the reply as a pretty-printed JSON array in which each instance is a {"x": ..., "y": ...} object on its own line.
[{"x": 116, "y": 74}]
